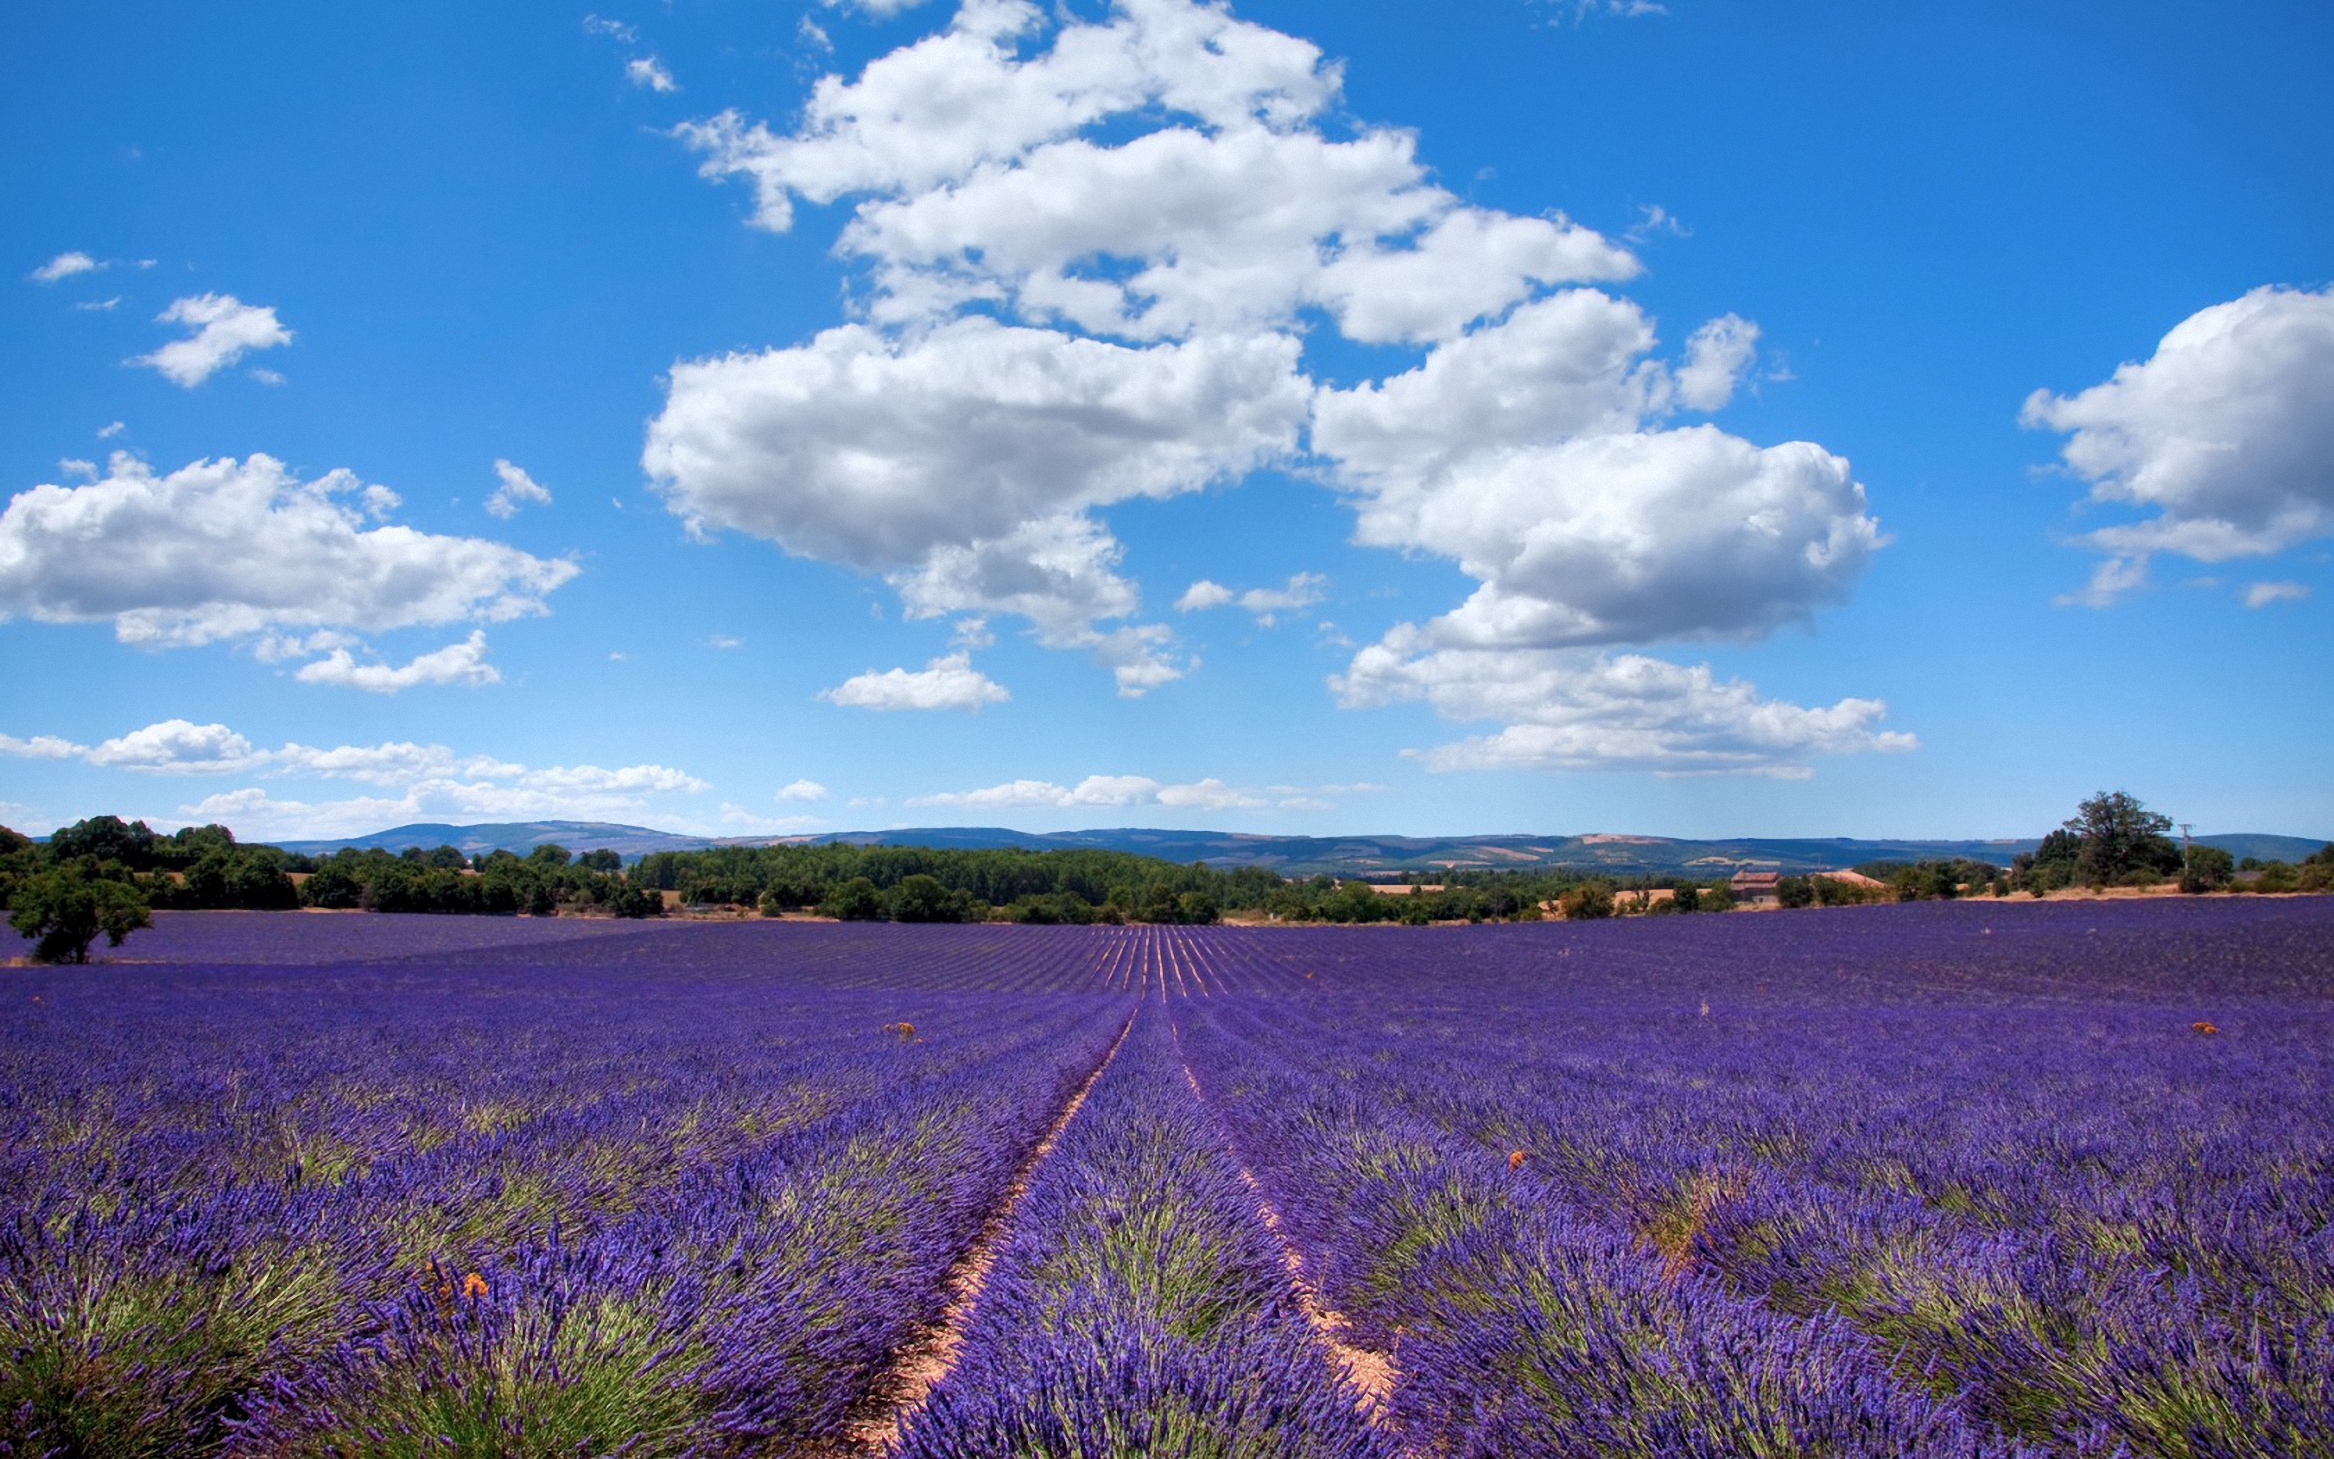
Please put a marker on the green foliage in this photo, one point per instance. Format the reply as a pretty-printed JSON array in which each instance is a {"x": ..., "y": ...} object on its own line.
[
  {"x": 1590, "y": 901},
  {"x": 105, "y": 838},
  {"x": 923, "y": 899},
  {"x": 1795, "y": 891},
  {"x": 2209, "y": 869},
  {"x": 1830, "y": 891},
  {"x": 65, "y": 908},
  {"x": 2119, "y": 836}
]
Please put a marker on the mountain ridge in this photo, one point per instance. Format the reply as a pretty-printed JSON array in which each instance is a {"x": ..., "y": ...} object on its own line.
[{"x": 1357, "y": 855}]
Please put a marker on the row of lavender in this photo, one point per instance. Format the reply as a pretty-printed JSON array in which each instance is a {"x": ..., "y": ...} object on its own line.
[
  {"x": 1932, "y": 1187},
  {"x": 502, "y": 1204},
  {"x": 1141, "y": 1305}
]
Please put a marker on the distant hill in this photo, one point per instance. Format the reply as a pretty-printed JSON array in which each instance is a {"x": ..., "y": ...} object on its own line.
[
  {"x": 1294, "y": 856},
  {"x": 630, "y": 842}
]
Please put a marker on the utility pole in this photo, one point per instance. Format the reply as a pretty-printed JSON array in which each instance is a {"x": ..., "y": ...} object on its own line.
[{"x": 2187, "y": 852}]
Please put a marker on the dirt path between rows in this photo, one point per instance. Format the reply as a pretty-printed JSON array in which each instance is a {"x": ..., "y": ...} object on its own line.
[
  {"x": 926, "y": 1358},
  {"x": 1370, "y": 1374}
]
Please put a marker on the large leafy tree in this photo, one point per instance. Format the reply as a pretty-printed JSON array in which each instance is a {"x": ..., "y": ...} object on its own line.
[
  {"x": 2116, "y": 836},
  {"x": 65, "y": 908}
]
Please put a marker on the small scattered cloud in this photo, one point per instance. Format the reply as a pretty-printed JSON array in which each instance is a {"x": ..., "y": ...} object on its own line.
[
  {"x": 724, "y": 642},
  {"x": 1717, "y": 356},
  {"x": 64, "y": 266},
  {"x": 802, "y": 790},
  {"x": 76, "y": 466},
  {"x": 1580, "y": 12},
  {"x": 461, "y": 663},
  {"x": 736, "y": 819},
  {"x": 108, "y": 432},
  {"x": 1121, "y": 792},
  {"x": 650, "y": 73},
  {"x": 1266, "y": 604},
  {"x": 616, "y": 30},
  {"x": 2261, "y": 595},
  {"x": 1656, "y": 221},
  {"x": 225, "y": 329},
  {"x": 947, "y": 682},
  {"x": 873, "y": 7},
  {"x": 98, "y": 306},
  {"x": 516, "y": 489}
]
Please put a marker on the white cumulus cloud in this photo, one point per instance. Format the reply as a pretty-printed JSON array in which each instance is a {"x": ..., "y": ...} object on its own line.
[
  {"x": 1090, "y": 252},
  {"x": 1583, "y": 710},
  {"x": 947, "y": 682},
  {"x": 224, "y": 330},
  {"x": 457, "y": 663},
  {"x": 232, "y": 549},
  {"x": 650, "y": 73},
  {"x": 802, "y": 790},
  {"x": 2224, "y": 438}
]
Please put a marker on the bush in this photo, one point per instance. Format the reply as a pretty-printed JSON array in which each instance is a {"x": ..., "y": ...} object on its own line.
[{"x": 1587, "y": 902}]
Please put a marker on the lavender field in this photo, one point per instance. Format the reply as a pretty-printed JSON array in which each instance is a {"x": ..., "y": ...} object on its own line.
[{"x": 1936, "y": 1180}]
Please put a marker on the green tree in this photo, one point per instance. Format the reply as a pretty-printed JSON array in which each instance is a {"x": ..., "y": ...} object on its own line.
[
  {"x": 855, "y": 900},
  {"x": 65, "y": 908},
  {"x": 2119, "y": 836},
  {"x": 1795, "y": 891},
  {"x": 105, "y": 838},
  {"x": 1588, "y": 901},
  {"x": 2209, "y": 869}
]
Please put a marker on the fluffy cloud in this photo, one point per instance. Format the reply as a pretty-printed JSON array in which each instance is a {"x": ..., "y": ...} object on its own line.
[
  {"x": 649, "y": 72},
  {"x": 456, "y": 663},
  {"x": 1266, "y": 604},
  {"x": 947, "y": 682},
  {"x": 1580, "y": 710},
  {"x": 64, "y": 266},
  {"x": 171, "y": 747},
  {"x": 2223, "y": 436},
  {"x": 433, "y": 781},
  {"x": 802, "y": 790},
  {"x": 962, "y": 462},
  {"x": 1530, "y": 452},
  {"x": 430, "y": 782},
  {"x": 225, "y": 329},
  {"x": 1092, "y": 250},
  {"x": 870, "y": 449},
  {"x": 515, "y": 489},
  {"x": 227, "y": 549}
]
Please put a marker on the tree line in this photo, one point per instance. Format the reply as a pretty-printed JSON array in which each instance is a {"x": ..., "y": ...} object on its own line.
[{"x": 104, "y": 876}]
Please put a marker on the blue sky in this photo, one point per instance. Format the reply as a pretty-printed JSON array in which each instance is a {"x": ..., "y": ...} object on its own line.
[{"x": 1701, "y": 419}]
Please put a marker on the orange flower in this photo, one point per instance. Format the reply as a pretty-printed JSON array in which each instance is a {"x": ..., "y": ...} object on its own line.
[
  {"x": 1516, "y": 1160},
  {"x": 2202, "y": 1027},
  {"x": 474, "y": 1285}
]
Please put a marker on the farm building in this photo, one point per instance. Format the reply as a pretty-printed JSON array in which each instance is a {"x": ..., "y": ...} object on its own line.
[{"x": 1755, "y": 888}]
